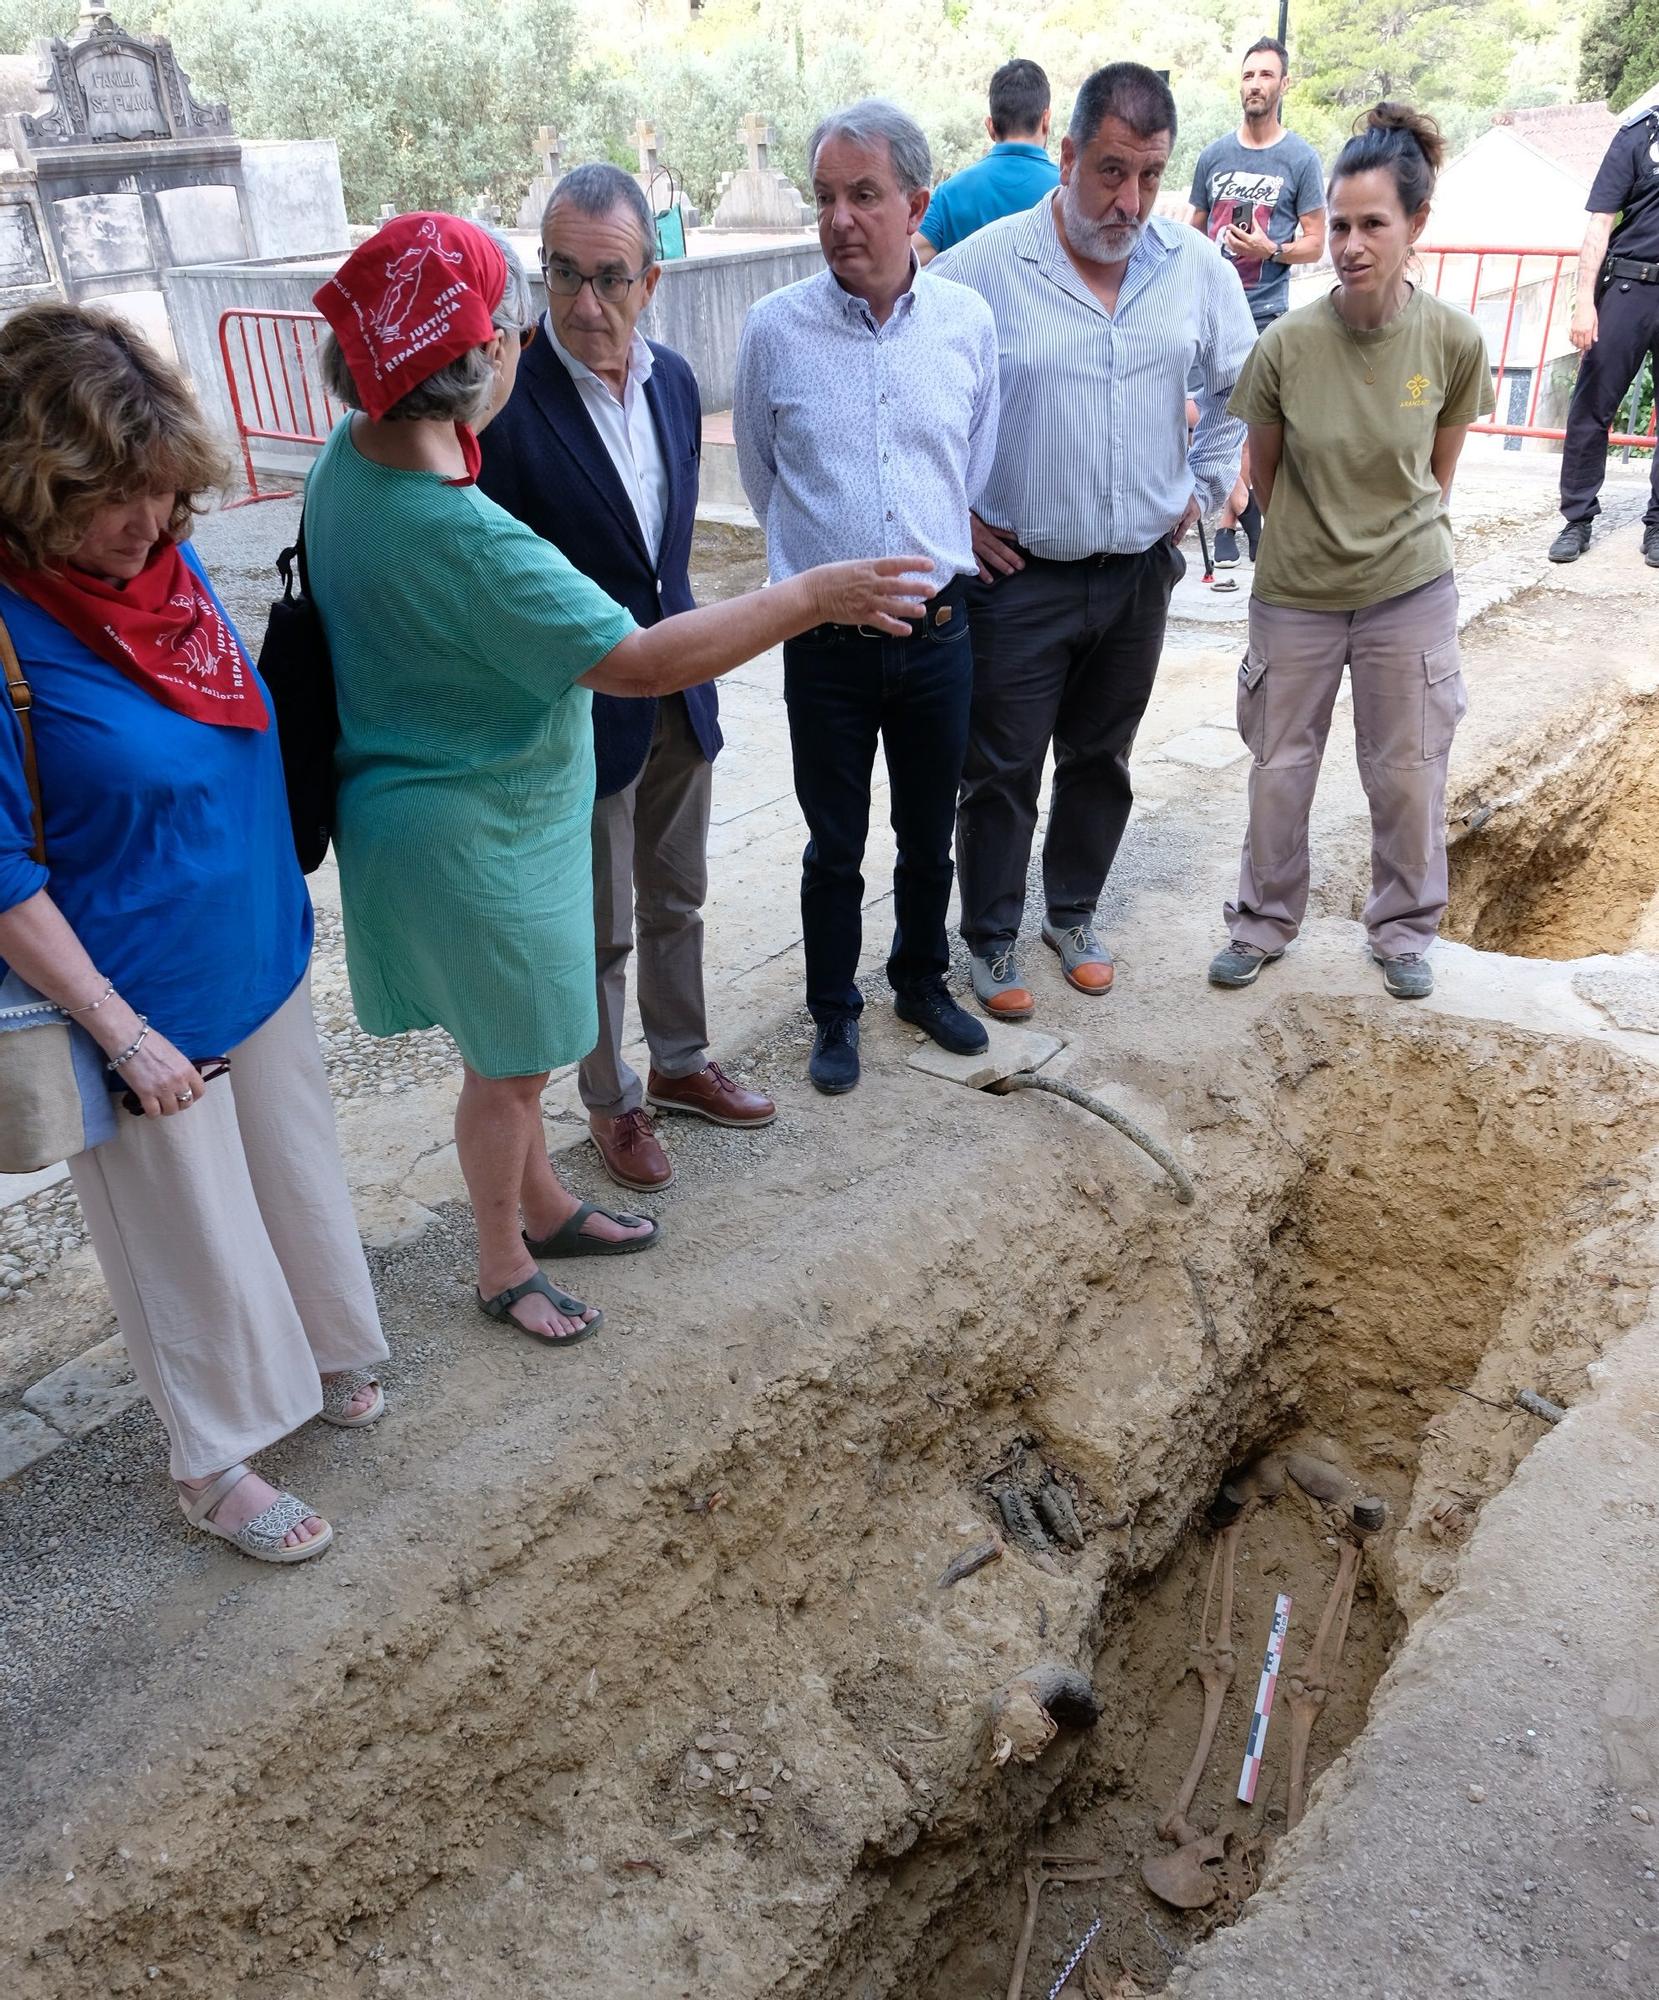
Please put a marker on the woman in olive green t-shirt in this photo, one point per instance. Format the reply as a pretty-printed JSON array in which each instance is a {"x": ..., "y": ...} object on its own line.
[{"x": 1357, "y": 408}]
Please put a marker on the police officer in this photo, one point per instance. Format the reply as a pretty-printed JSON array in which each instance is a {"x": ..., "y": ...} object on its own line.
[{"x": 1615, "y": 323}]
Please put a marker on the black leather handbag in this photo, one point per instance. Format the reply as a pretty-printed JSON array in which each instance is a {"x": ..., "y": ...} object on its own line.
[{"x": 295, "y": 665}]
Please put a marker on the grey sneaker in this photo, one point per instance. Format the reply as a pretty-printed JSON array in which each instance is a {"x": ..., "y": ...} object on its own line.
[
  {"x": 1084, "y": 960},
  {"x": 998, "y": 987},
  {"x": 1407, "y": 977},
  {"x": 1238, "y": 963}
]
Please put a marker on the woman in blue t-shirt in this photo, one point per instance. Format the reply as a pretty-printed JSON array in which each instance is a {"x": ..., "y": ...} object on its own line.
[{"x": 169, "y": 921}]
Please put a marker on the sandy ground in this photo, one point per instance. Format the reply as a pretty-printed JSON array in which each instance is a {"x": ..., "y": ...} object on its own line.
[{"x": 465, "y": 1753}]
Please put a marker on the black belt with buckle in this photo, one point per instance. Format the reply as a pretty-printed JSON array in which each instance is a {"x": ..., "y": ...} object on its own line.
[
  {"x": 1631, "y": 267},
  {"x": 944, "y": 608}
]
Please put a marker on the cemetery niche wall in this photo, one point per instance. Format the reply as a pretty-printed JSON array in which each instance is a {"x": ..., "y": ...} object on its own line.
[{"x": 112, "y": 171}]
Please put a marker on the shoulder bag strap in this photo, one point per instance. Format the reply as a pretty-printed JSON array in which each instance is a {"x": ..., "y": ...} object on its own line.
[{"x": 22, "y": 701}]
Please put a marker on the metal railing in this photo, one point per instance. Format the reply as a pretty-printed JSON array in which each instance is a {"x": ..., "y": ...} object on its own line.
[
  {"x": 274, "y": 375},
  {"x": 1522, "y": 301}
]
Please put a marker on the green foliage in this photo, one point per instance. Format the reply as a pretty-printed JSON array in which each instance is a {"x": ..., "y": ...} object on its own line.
[
  {"x": 1620, "y": 50},
  {"x": 1349, "y": 53}
]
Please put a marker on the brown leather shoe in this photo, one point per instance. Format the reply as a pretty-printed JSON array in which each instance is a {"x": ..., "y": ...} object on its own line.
[
  {"x": 710, "y": 1093},
  {"x": 628, "y": 1146}
]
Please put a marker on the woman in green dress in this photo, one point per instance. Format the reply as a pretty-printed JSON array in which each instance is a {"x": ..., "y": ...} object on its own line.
[{"x": 464, "y": 649}]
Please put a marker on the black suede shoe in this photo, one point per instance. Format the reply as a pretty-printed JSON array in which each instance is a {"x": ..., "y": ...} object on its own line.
[
  {"x": 1650, "y": 546},
  {"x": 1571, "y": 543},
  {"x": 931, "y": 1009},
  {"x": 833, "y": 1065}
]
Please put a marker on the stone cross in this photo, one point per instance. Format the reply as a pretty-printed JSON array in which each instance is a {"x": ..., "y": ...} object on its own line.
[
  {"x": 758, "y": 136},
  {"x": 645, "y": 138},
  {"x": 547, "y": 145},
  {"x": 485, "y": 210}
]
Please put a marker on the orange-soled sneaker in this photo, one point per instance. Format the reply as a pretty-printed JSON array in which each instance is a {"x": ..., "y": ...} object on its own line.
[
  {"x": 997, "y": 986},
  {"x": 1085, "y": 961}
]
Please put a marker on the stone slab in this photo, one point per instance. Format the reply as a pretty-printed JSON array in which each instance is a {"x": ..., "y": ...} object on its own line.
[
  {"x": 203, "y": 225},
  {"x": 1207, "y": 747},
  {"x": 1011, "y": 1049},
  {"x": 22, "y": 260},
  {"x": 86, "y": 1392},
  {"x": 102, "y": 235},
  {"x": 24, "y": 1440},
  {"x": 1625, "y": 989},
  {"x": 296, "y": 207}
]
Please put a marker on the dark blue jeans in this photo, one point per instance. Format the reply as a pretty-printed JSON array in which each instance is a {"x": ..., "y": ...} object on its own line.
[{"x": 843, "y": 689}]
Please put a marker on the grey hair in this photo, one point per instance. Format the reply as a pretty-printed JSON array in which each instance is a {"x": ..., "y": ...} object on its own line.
[
  {"x": 597, "y": 189},
  {"x": 460, "y": 392},
  {"x": 872, "y": 119}
]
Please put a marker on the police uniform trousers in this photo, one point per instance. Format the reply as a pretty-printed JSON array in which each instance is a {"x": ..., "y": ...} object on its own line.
[{"x": 1628, "y": 332}]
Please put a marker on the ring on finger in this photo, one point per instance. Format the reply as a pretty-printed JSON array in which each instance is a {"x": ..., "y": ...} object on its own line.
[{"x": 184, "y": 1097}]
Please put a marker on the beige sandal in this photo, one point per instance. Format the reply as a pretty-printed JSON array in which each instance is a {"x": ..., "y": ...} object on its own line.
[
  {"x": 262, "y": 1537},
  {"x": 338, "y": 1391}
]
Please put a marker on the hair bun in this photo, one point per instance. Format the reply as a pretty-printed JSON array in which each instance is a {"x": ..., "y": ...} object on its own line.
[{"x": 1394, "y": 117}]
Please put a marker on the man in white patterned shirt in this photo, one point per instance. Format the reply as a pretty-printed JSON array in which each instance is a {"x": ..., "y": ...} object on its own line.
[
  {"x": 1103, "y": 311},
  {"x": 865, "y": 417}
]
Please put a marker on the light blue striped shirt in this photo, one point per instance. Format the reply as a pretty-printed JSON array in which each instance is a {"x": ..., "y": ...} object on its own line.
[
  {"x": 1093, "y": 457},
  {"x": 857, "y": 440}
]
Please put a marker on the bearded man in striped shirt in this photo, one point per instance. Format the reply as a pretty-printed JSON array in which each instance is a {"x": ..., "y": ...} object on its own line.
[{"x": 1103, "y": 311}]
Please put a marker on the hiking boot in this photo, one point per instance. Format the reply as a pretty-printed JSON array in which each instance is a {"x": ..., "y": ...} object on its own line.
[
  {"x": 833, "y": 1065},
  {"x": 998, "y": 987},
  {"x": 1239, "y": 964},
  {"x": 1650, "y": 546},
  {"x": 932, "y": 1009},
  {"x": 1407, "y": 977},
  {"x": 1571, "y": 543},
  {"x": 1226, "y": 548}
]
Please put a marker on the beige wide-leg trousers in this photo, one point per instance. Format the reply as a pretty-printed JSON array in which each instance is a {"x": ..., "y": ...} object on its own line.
[
  {"x": 1403, "y": 660},
  {"x": 227, "y": 1240}
]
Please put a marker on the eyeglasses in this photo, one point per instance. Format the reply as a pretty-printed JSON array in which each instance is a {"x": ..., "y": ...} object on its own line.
[
  {"x": 565, "y": 281},
  {"x": 208, "y": 1068}
]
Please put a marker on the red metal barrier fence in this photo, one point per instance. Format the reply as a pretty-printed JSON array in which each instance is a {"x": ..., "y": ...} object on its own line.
[
  {"x": 1522, "y": 299},
  {"x": 274, "y": 376}
]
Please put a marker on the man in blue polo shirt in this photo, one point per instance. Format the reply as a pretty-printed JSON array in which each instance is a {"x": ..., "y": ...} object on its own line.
[{"x": 1015, "y": 174}]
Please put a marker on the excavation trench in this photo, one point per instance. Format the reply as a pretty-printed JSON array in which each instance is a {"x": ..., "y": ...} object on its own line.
[
  {"x": 1558, "y": 853},
  {"x": 708, "y": 1721}
]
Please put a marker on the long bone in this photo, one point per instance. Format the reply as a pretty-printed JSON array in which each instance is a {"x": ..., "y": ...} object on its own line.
[
  {"x": 1310, "y": 1684},
  {"x": 1213, "y": 1660}
]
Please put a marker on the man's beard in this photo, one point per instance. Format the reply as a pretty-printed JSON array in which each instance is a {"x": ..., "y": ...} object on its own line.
[{"x": 1100, "y": 242}]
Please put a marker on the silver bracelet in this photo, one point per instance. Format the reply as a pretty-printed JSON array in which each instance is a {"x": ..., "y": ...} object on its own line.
[
  {"x": 127, "y": 1055},
  {"x": 92, "y": 1006}
]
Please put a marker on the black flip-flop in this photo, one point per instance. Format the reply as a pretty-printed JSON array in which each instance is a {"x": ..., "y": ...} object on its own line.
[
  {"x": 500, "y": 1308},
  {"x": 568, "y": 1241}
]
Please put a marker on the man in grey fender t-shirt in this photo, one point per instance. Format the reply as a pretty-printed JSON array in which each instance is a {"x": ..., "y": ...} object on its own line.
[{"x": 1259, "y": 194}]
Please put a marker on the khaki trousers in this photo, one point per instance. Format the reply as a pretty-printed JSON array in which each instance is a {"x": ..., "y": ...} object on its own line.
[
  {"x": 650, "y": 879},
  {"x": 1408, "y": 700},
  {"x": 227, "y": 1241}
]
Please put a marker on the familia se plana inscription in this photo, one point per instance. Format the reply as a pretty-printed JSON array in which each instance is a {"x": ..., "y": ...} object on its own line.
[{"x": 122, "y": 95}]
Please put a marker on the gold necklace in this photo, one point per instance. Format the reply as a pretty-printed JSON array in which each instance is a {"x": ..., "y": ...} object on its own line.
[{"x": 1354, "y": 339}]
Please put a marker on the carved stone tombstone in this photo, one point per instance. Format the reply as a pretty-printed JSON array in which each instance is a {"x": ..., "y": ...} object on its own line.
[
  {"x": 655, "y": 174},
  {"x": 757, "y": 196}
]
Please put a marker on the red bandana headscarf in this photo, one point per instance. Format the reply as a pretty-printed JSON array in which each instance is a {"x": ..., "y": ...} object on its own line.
[
  {"x": 418, "y": 295},
  {"x": 162, "y": 629}
]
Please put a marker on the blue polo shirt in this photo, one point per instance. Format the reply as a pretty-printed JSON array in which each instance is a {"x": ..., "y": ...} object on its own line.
[{"x": 1013, "y": 175}]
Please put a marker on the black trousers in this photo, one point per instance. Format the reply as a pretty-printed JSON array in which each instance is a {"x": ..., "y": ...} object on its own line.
[
  {"x": 844, "y": 689},
  {"x": 1628, "y": 333},
  {"x": 1064, "y": 653}
]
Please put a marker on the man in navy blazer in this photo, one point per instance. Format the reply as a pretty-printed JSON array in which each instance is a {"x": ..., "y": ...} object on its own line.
[{"x": 598, "y": 451}]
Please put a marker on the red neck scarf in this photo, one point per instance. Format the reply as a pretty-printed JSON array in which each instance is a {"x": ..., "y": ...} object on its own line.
[
  {"x": 420, "y": 293},
  {"x": 163, "y": 630}
]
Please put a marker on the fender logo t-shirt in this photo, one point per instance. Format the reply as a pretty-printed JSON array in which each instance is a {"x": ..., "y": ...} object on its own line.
[{"x": 1265, "y": 187}]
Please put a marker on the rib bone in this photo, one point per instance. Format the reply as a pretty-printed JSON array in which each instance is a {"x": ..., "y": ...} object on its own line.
[
  {"x": 1213, "y": 1661},
  {"x": 1310, "y": 1684}
]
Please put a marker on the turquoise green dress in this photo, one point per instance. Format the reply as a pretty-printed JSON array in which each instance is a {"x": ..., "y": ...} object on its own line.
[{"x": 465, "y": 761}]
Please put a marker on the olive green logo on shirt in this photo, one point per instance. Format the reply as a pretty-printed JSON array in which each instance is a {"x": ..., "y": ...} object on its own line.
[{"x": 1416, "y": 389}]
